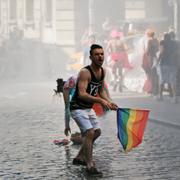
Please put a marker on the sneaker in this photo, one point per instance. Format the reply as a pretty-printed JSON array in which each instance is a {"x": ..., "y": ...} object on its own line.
[{"x": 94, "y": 172}]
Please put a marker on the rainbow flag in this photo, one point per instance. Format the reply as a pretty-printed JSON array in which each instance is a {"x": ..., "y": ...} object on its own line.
[{"x": 131, "y": 124}]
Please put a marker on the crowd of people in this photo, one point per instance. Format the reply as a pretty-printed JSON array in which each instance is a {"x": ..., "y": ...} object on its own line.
[
  {"x": 116, "y": 56},
  {"x": 159, "y": 59},
  {"x": 161, "y": 65},
  {"x": 160, "y": 62}
]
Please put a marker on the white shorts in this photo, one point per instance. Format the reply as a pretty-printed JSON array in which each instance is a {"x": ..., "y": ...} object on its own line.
[{"x": 85, "y": 119}]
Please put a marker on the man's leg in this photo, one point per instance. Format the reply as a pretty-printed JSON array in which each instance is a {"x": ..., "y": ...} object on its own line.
[
  {"x": 97, "y": 133},
  {"x": 80, "y": 155},
  {"x": 90, "y": 137},
  {"x": 87, "y": 147}
]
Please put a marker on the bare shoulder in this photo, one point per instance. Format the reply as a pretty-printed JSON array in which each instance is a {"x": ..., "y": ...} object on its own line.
[{"x": 84, "y": 74}]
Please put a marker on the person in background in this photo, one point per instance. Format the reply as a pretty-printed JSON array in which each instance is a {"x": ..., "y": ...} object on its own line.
[
  {"x": 173, "y": 38},
  {"x": 89, "y": 83},
  {"x": 118, "y": 58},
  {"x": 168, "y": 66},
  {"x": 150, "y": 48},
  {"x": 68, "y": 91}
]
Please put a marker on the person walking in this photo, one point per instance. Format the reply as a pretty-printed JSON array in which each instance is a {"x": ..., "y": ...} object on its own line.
[
  {"x": 168, "y": 66},
  {"x": 119, "y": 58},
  {"x": 90, "y": 82},
  {"x": 150, "y": 48}
]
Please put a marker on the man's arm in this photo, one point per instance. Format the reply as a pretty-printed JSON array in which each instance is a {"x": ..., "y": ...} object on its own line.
[
  {"x": 66, "y": 97},
  {"x": 103, "y": 93},
  {"x": 67, "y": 111}
]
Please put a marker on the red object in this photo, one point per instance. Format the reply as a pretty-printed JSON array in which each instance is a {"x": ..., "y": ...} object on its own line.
[
  {"x": 116, "y": 34},
  {"x": 122, "y": 57},
  {"x": 99, "y": 110},
  {"x": 61, "y": 142}
]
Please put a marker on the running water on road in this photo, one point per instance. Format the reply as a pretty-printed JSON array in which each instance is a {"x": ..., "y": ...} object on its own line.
[{"x": 31, "y": 121}]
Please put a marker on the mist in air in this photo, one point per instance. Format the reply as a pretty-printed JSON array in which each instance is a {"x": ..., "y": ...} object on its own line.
[{"x": 42, "y": 41}]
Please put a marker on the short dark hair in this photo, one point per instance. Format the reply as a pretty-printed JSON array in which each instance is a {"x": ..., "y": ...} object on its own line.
[{"x": 94, "y": 46}]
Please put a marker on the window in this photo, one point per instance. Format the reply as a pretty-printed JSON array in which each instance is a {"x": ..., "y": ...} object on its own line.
[
  {"x": 48, "y": 11},
  {"x": 29, "y": 10},
  {"x": 135, "y": 9},
  {"x": 12, "y": 9}
]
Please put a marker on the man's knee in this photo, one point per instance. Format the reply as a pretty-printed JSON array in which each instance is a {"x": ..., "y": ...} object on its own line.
[
  {"x": 97, "y": 133},
  {"x": 90, "y": 133}
]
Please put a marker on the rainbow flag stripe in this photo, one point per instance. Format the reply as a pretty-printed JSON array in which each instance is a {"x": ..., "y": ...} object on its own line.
[{"x": 131, "y": 124}]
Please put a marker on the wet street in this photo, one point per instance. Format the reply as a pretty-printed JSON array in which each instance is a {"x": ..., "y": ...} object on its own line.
[{"x": 31, "y": 118}]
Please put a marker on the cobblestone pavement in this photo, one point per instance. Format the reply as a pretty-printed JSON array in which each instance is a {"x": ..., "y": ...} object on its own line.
[{"x": 30, "y": 119}]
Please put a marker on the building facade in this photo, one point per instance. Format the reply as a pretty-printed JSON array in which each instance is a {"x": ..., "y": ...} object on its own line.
[{"x": 62, "y": 22}]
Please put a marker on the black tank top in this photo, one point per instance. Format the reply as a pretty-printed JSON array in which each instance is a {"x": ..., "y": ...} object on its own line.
[{"x": 93, "y": 87}]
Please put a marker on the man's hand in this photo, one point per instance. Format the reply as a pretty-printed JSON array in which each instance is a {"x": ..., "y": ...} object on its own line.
[
  {"x": 108, "y": 105},
  {"x": 105, "y": 104},
  {"x": 114, "y": 106},
  {"x": 67, "y": 131}
]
